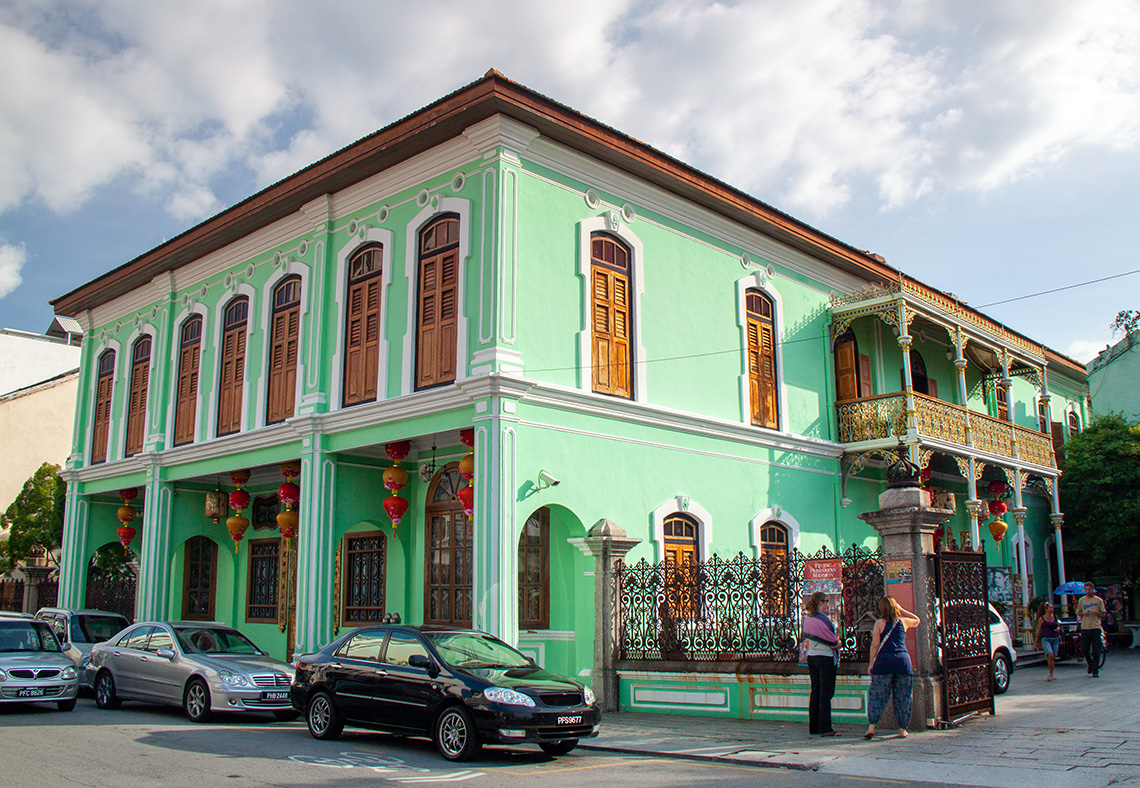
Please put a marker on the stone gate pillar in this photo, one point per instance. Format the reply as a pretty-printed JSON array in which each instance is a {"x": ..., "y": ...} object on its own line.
[
  {"x": 607, "y": 542},
  {"x": 906, "y": 523}
]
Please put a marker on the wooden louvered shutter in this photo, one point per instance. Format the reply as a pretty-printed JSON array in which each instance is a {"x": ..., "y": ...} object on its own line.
[
  {"x": 186, "y": 407},
  {"x": 846, "y": 374},
  {"x": 102, "y": 417},
  {"x": 1058, "y": 443},
  {"x": 136, "y": 404},
  {"x": 233, "y": 367},
  {"x": 762, "y": 373},
  {"x": 283, "y": 365},
  {"x": 435, "y": 355},
  {"x": 611, "y": 333},
  {"x": 865, "y": 384},
  {"x": 362, "y": 352}
]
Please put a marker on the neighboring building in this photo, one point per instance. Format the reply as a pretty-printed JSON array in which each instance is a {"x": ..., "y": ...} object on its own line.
[
  {"x": 1114, "y": 378},
  {"x": 35, "y": 427},
  {"x": 27, "y": 359},
  {"x": 687, "y": 362}
]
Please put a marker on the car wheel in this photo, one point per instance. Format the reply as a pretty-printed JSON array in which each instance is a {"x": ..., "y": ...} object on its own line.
[
  {"x": 196, "y": 701},
  {"x": 1001, "y": 673},
  {"x": 286, "y": 715},
  {"x": 558, "y": 747},
  {"x": 105, "y": 697},
  {"x": 324, "y": 718},
  {"x": 65, "y": 705},
  {"x": 455, "y": 735}
]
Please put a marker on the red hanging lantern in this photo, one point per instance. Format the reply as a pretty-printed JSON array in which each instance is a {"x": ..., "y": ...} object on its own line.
[
  {"x": 924, "y": 475},
  {"x": 396, "y": 507},
  {"x": 239, "y": 500},
  {"x": 466, "y": 496},
  {"x": 998, "y": 528},
  {"x": 467, "y": 437},
  {"x": 467, "y": 466},
  {"x": 126, "y": 515},
  {"x": 395, "y": 478},
  {"x": 289, "y": 494},
  {"x": 998, "y": 507},
  {"x": 397, "y": 450},
  {"x": 998, "y": 489}
]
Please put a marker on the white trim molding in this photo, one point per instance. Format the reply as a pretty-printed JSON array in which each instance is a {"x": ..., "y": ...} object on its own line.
[
  {"x": 762, "y": 282},
  {"x": 776, "y": 514},
  {"x": 685, "y": 505},
  {"x": 366, "y": 236},
  {"x": 611, "y": 222}
]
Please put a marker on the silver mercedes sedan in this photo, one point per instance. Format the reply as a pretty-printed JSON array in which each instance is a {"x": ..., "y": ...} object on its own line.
[
  {"x": 33, "y": 666},
  {"x": 203, "y": 667}
]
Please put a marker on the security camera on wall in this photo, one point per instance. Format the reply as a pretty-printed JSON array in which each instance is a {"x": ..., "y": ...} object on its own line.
[{"x": 546, "y": 480}]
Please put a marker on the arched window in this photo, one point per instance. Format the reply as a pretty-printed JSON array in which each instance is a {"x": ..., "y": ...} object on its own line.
[
  {"x": 449, "y": 544},
  {"x": 286, "y": 322},
  {"x": 918, "y": 378},
  {"x": 612, "y": 316},
  {"x": 682, "y": 574},
  {"x": 764, "y": 397},
  {"x": 102, "y": 415},
  {"x": 186, "y": 398},
  {"x": 774, "y": 565},
  {"x": 362, "y": 328},
  {"x": 199, "y": 579},
  {"x": 437, "y": 304},
  {"x": 232, "y": 369},
  {"x": 136, "y": 402},
  {"x": 1074, "y": 423},
  {"x": 534, "y": 571}
]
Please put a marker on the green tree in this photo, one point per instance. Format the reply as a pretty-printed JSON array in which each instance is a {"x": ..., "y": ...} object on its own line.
[
  {"x": 35, "y": 518},
  {"x": 1100, "y": 490}
]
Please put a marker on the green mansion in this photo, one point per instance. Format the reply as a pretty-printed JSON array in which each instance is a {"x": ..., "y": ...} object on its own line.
[{"x": 618, "y": 337}]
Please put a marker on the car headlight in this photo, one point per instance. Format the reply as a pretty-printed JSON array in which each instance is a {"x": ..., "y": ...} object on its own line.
[
  {"x": 233, "y": 679},
  {"x": 3, "y": 675},
  {"x": 69, "y": 673},
  {"x": 507, "y": 696},
  {"x": 588, "y": 694}
]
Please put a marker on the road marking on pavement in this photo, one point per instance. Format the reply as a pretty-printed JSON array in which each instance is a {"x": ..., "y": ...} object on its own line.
[
  {"x": 512, "y": 770},
  {"x": 394, "y": 769},
  {"x": 871, "y": 779}
]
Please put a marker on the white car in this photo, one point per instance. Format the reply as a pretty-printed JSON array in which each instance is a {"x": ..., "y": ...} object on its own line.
[{"x": 1002, "y": 654}]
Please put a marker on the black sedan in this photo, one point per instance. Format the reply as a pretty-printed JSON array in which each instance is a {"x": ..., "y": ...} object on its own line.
[{"x": 462, "y": 688}]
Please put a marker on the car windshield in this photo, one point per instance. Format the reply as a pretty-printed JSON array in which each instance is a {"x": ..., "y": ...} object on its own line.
[
  {"x": 95, "y": 628},
  {"x": 212, "y": 640},
  {"x": 472, "y": 650},
  {"x": 26, "y": 636}
]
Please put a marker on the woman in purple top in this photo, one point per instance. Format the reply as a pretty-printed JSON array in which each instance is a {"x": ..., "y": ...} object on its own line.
[
  {"x": 820, "y": 640},
  {"x": 891, "y": 670},
  {"x": 1049, "y": 637}
]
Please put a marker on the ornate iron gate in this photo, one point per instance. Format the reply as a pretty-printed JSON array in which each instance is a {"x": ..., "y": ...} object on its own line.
[{"x": 964, "y": 634}]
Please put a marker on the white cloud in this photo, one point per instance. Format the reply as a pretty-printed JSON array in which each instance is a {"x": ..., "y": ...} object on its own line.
[
  {"x": 1084, "y": 351},
  {"x": 12, "y": 259}
]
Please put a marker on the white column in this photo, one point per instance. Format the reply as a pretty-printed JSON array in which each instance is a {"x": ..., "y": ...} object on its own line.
[
  {"x": 314, "y": 545},
  {"x": 151, "y": 598},
  {"x": 1019, "y": 518},
  {"x": 973, "y": 505},
  {"x": 73, "y": 545}
]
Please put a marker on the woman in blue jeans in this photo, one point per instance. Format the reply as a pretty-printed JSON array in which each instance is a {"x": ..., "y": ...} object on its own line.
[{"x": 891, "y": 670}]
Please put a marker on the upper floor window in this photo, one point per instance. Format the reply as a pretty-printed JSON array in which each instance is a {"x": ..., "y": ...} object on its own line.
[
  {"x": 437, "y": 302},
  {"x": 102, "y": 422},
  {"x": 136, "y": 402},
  {"x": 534, "y": 571},
  {"x": 1042, "y": 416},
  {"x": 186, "y": 397},
  {"x": 1074, "y": 423},
  {"x": 920, "y": 382},
  {"x": 362, "y": 329},
  {"x": 1002, "y": 403},
  {"x": 764, "y": 395},
  {"x": 286, "y": 322},
  {"x": 231, "y": 376},
  {"x": 610, "y": 285}
]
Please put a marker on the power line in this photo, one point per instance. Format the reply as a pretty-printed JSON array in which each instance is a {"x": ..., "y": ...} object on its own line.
[{"x": 1059, "y": 289}]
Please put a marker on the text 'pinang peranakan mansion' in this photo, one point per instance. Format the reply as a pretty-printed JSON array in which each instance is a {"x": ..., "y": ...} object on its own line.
[{"x": 540, "y": 325}]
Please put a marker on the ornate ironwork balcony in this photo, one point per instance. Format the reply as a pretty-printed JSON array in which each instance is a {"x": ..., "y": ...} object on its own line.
[{"x": 884, "y": 417}]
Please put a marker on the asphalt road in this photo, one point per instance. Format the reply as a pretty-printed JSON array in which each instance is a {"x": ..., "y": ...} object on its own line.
[{"x": 142, "y": 746}]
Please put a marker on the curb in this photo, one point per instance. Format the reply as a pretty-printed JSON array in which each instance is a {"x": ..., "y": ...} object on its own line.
[{"x": 811, "y": 766}]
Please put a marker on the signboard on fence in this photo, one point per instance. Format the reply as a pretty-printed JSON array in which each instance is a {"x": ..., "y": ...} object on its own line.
[{"x": 823, "y": 574}]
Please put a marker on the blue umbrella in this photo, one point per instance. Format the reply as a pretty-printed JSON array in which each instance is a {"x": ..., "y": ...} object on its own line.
[{"x": 1071, "y": 587}]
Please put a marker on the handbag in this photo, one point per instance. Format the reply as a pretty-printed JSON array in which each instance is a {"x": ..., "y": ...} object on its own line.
[{"x": 804, "y": 653}]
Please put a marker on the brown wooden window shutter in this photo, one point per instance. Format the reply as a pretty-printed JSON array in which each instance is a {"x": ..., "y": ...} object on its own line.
[
  {"x": 764, "y": 397},
  {"x": 232, "y": 370},
  {"x": 438, "y": 303},
  {"x": 846, "y": 368},
  {"x": 102, "y": 416},
  {"x": 534, "y": 571},
  {"x": 612, "y": 316},
  {"x": 362, "y": 329},
  {"x": 286, "y": 320},
  {"x": 136, "y": 403},
  {"x": 186, "y": 398}
]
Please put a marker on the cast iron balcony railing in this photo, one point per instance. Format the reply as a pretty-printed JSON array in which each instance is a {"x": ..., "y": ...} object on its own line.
[{"x": 884, "y": 417}]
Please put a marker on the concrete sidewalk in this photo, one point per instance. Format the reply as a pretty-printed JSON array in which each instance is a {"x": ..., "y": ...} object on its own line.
[{"x": 1076, "y": 732}]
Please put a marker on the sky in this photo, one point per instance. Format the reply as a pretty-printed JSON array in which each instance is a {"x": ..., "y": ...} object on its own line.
[{"x": 989, "y": 148}]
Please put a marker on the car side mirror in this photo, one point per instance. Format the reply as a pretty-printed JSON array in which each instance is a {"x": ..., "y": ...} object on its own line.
[
  {"x": 424, "y": 662},
  {"x": 165, "y": 653}
]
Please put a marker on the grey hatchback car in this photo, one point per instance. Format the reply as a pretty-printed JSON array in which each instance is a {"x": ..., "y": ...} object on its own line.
[
  {"x": 203, "y": 667},
  {"x": 33, "y": 667}
]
